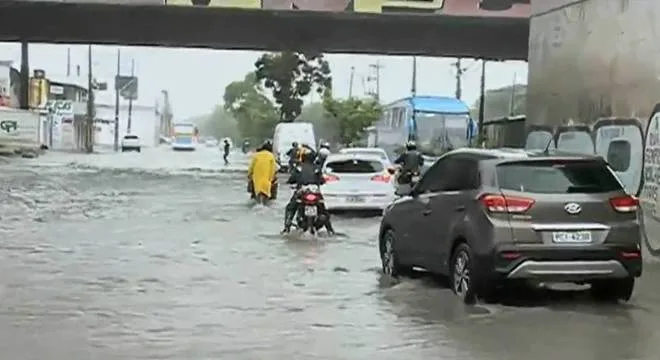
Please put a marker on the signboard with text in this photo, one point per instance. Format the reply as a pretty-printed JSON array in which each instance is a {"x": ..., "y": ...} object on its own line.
[{"x": 486, "y": 8}]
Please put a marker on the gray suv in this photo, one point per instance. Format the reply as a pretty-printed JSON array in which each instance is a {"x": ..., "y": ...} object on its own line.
[{"x": 485, "y": 217}]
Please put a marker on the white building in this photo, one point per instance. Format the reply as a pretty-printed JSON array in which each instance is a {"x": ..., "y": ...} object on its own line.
[{"x": 145, "y": 121}]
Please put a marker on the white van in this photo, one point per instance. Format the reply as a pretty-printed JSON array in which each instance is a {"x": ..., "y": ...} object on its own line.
[{"x": 288, "y": 133}]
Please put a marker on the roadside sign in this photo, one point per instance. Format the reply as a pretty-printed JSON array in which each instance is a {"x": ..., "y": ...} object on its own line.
[{"x": 127, "y": 86}]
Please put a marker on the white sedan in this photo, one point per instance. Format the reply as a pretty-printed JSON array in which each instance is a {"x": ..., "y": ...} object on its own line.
[
  {"x": 368, "y": 151},
  {"x": 357, "y": 182}
]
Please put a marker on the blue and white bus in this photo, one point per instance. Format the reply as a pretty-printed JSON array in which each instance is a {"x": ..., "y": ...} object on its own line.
[{"x": 437, "y": 123}]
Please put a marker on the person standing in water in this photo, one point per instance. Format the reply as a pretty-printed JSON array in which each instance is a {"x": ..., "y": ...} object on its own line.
[{"x": 225, "y": 155}]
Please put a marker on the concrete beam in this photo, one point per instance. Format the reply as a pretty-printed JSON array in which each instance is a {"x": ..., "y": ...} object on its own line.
[{"x": 227, "y": 28}]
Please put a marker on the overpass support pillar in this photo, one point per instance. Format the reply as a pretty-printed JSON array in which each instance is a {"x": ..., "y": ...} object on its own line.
[
  {"x": 24, "y": 94},
  {"x": 592, "y": 58}
]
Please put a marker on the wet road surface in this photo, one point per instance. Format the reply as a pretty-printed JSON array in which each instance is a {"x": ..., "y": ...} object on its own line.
[{"x": 159, "y": 255}]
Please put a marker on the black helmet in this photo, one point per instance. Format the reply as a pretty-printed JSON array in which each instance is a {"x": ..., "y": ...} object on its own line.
[
  {"x": 267, "y": 145},
  {"x": 294, "y": 144},
  {"x": 411, "y": 145}
]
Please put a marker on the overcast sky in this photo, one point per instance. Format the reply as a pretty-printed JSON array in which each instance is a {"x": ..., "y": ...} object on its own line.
[{"x": 196, "y": 78}]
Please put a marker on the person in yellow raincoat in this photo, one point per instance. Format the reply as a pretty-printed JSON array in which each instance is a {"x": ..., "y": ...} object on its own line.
[{"x": 263, "y": 171}]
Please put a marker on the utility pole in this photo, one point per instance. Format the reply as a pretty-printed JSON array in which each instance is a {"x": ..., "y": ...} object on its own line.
[
  {"x": 350, "y": 84},
  {"x": 88, "y": 140},
  {"x": 482, "y": 104},
  {"x": 413, "y": 86},
  {"x": 375, "y": 68},
  {"x": 130, "y": 99},
  {"x": 68, "y": 62},
  {"x": 116, "y": 132},
  {"x": 460, "y": 71},
  {"x": 512, "y": 103},
  {"x": 24, "y": 98},
  {"x": 413, "y": 93}
]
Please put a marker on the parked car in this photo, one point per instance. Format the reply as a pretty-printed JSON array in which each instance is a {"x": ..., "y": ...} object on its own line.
[
  {"x": 357, "y": 181},
  {"x": 487, "y": 217},
  {"x": 130, "y": 143}
]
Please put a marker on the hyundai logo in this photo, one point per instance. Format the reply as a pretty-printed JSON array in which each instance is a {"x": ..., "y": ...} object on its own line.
[{"x": 573, "y": 208}]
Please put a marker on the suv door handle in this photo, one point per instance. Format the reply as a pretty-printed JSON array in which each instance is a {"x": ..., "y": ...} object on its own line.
[
  {"x": 426, "y": 212},
  {"x": 460, "y": 208}
]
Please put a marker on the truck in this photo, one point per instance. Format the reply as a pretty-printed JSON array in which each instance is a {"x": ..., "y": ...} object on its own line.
[{"x": 20, "y": 130}]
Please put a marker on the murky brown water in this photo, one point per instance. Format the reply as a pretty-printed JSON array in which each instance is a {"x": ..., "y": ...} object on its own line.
[{"x": 134, "y": 261}]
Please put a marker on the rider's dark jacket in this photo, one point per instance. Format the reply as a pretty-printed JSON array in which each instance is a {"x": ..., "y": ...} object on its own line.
[
  {"x": 410, "y": 161},
  {"x": 306, "y": 174}
]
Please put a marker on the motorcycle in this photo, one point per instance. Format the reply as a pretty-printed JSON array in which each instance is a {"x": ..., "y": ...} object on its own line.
[
  {"x": 309, "y": 217},
  {"x": 262, "y": 198}
]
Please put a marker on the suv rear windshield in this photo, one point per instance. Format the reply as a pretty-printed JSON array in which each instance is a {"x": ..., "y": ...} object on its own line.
[
  {"x": 354, "y": 166},
  {"x": 557, "y": 177}
]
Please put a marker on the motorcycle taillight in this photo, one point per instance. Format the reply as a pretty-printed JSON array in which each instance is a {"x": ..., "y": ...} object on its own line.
[{"x": 310, "y": 197}]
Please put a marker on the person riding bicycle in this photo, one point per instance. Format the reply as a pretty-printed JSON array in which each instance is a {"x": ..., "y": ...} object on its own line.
[
  {"x": 304, "y": 174},
  {"x": 411, "y": 162}
]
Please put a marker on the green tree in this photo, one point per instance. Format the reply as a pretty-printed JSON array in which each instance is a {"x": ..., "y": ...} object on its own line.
[
  {"x": 255, "y": 114},
  {"x": 353, "y": 116},
  {"x": 325, "y": 126},
  {"x": 219, "y": 124},
  {"x": 498, "y": 102},
  {"x": 290, "y": 76}
]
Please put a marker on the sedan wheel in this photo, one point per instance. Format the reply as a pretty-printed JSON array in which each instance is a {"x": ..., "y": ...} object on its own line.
[{"x": 461, "y": 274}]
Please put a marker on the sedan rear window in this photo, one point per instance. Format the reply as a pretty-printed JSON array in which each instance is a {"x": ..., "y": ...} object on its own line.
[
  {"x": 557, "y": 177},
  {"x": 354, "y": 166}
]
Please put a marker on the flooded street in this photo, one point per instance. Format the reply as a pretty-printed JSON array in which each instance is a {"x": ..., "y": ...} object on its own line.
[{"x": 160, "y": 255}]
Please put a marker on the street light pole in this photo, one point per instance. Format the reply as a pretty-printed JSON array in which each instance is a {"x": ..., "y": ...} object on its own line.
[
  {"x": 116, "y": 132},
  {"x": 130, "y": 99}
]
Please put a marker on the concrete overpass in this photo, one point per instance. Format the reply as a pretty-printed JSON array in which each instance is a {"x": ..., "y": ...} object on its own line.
[{"x": 462, "y": 30}]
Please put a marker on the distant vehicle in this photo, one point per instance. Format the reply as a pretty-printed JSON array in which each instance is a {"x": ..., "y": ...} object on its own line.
[
  {"x": 211, "y": 142},
  {"x": 367, "y": 151},
  {"x": 287, "y": 133},
  {"x": 437, "y": 123},
  {"x": 487, "y": 217},
  {"x": 508, "y": 131},
  {"x": 184, "y": 137},
  {"x": 357, "y": 182},
  {"x": 130, "y": 143}
]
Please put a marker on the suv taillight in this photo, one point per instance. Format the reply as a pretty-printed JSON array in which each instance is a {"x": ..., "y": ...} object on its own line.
[
  {"x": 506, "y": 204},
  {"x": 624, "y": 204}
]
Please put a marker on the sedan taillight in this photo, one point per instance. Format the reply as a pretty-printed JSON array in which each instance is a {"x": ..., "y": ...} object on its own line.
[{"x": 624, "y": 204}]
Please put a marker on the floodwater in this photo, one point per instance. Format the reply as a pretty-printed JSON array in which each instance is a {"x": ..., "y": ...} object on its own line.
[{"x": 159, "y": 255}]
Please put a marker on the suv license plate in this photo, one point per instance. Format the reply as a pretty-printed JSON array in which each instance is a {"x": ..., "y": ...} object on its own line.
[
  {"x": 572, "y": 237},
  {"x": 354, "y": 199},
  {"x": 310, "y": 211}
]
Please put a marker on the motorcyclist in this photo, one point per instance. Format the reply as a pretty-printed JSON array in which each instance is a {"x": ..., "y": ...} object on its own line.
[
  {"x": 322, "y": 154},
  {"x": 292, "y": 153},
  {"x": 304, "y": 174},
  {"x": 262, "y": 171},
  {"x": 246, "y": 146},
  {"x": 411, "y": 162}
]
